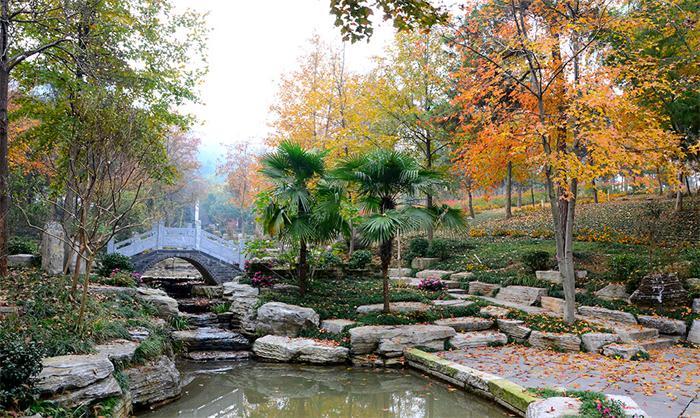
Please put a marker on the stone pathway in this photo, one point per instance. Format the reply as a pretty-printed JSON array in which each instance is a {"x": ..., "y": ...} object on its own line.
[{"x": 668, "y": 386}]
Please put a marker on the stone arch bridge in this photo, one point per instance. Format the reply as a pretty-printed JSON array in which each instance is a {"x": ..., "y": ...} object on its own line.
[{"x": 217, "y": 260}]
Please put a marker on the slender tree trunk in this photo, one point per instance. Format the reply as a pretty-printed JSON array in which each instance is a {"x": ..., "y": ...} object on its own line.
[
  {"x": 351, "y": 246},
  {"x": 428, "y": 205},
  {"x": 4, "y": 165},
  {"x": 471, "y": 203},
  {"x": 679, "y": 195},
  {"x": 520, "y": 195},
  {"x": 532, "y": 192},
  {"x": 86, "y": 285},
  {"x": 302, "y": 268},
  {"x": 595, "y": 191},
  {"x": 661, "y": 184},
  {"x": 509, "y": 189},
  {"x": 687, "y": 186},
  {"x": 385, "y": 252}
]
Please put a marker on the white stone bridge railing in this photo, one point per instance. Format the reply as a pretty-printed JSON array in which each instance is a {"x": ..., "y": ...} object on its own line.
[{"x": 192, "y": 238}]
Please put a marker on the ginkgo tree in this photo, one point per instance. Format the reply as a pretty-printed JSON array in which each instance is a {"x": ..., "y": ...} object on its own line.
[{"x": 548, "y": 59}]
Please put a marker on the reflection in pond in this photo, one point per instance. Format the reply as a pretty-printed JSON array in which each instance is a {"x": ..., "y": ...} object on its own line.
[{"x": 251, "y": 389}]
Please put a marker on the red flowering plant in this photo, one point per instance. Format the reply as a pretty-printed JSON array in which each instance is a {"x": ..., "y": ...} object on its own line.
[
  {"x": 261, "y": 279},
  {"x": 431, "y": 285}
]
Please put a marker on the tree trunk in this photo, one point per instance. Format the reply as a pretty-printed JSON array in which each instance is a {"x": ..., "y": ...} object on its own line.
[
  {"x": 520, "y": 195},
  {"x": 86, "y": 285},
  {"x": 661, "y": 184},
  {"x": 595, "y": 191},
  {"x": 471, "y": 204},
  {"x": 687, "y": 186},
  {"x": 509, "y": 189},
  {"x": 4, "y": 166},
  {"x": 351, "y": 246},
  {"x": 385, "y": 252},
  {"x": 532, "y": 192},
  {"x": 428, "y": 205},
  {"x": 302, "y": 267}
]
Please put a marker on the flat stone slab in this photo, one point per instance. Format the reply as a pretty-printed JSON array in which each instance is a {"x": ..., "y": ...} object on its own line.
[
  {"x": 118, "y": 351},
  {"x": 461, "y": 276},
  {"x": 21, "y": 260},
  {"x": 635, "y": 333},
  {"x": 64, "y": 373},
  {"x": 551, "y": 304},
  {"x": 400, "y": 272},
  {"x": 514, "y": 328},
  {"x": 452, "y": 303},
  {"x": 623, "y": 351},
  {"x": 235, "y": 290},
  {"x": 218, "y": 355},
  {"x": 211, "y": 339},
  {"x": 478, "y": 339},
  {"x": 389, "y": 340},
  {"x": 166, "y": 306},
  {"x": 521, "y": 294},
  {"x": 483, "y": 289},
  {"x": 555, "y": 407},
  {"x": 277, "y": 318},
  {"x": 494, "y": 311},
  {"x": 555, "y": 341},
  {"x": 402, "y": 307},
  {"x": 466, "y": 323},
  {"x": 154, "y": 383},
  {"x": 613, "y": 291},
  {"x": 422, "y": 263},
  {"x": 433, "y": 274},
  {"x": 664, "y": 325},
  {"x": 552, "y": 276},
  {"x": 596, "y": 312},
  {"x": 305, "y": 350},
  {"x": 335, "y": 326},
  {"x": 593, "y": 342}
]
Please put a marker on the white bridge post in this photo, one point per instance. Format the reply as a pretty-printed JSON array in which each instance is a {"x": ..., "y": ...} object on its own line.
[
  {"x": 160, "y": 234},
  {"x": 241, "y": 261}
]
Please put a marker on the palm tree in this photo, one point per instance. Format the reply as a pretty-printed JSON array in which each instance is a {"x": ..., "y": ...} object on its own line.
[
  {"x": 301, "y": 205},
  {"x": 381, "y": 178}
]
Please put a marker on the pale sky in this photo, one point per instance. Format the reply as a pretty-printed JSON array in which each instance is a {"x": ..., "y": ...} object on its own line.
[{"x": 251, "y": 44}]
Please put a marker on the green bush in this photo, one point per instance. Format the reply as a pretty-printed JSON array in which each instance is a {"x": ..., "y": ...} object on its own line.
[
  {"x": 630, "y": 268},
  {"x": 20, "y": 361},
  {"x": 329, "y": 260},
  {"x": 360, "y": 259},
  {"x": 439, "y": 248},
  {"x": 536, "y": 260},
  {"x": 22, "y": 245},
  {"x": 110, "y": 262},
  {"x": 419, "y": 247}
]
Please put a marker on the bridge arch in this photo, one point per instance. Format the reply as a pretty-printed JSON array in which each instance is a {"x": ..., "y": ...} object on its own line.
[{"x": 213, "y": 271}]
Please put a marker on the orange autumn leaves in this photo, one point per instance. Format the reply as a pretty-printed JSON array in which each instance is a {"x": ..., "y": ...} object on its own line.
[{"x": 19, "y": 149}]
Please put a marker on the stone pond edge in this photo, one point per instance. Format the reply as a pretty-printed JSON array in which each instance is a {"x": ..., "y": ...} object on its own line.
[{"x": 506, "y": 393}]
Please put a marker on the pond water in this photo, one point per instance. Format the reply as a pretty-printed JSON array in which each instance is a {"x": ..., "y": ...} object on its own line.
[{"x": 250, "y": 389}]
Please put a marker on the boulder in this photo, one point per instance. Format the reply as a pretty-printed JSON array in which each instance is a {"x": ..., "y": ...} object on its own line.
[
  {"x": 696, "y": 305},
  {"x": 694, "y": 334},
  {"x": 452, "y": 303},
  {"x": 555, "y": 407},
  {"x": 551, "y": 304},
  {"x": 551, "y": 276},
  {"x": 402, "y": 307},
  {"x": 596, "y": 312},
  {"x": 286, "y": 349},
  {"x": 244, "y": 300},
  {"x": 335, "y": 326},
  {"x": 422, "y": 263},
  {"x": 277, "y": 318},
  {"x": 478, "y": 339},
  {"x": 433, "y": 274},
  {"x": 285, "y": 289},
  {"x": 663, "y": 290},
  {"x": 400, "y": 272},
  {"x": 623, "y": 351},
  {"x": 234, "y": 290},
  {"x": 102, "y": 389},
  {"x": 21, "y": 260},
  {"x": 211, "y": 339},
  {"x": 466, "y": 323},
  {"x": 693, "y": 284},
  {"x": 483, "y": 289},
  {"x": 514, "y": 328},
  {"x": 153, "y": 383},
  {"x": 555, "y": 341},
  {"x": 118, "y": 351},
  {"x": 525, "y": 295},
  {"x": 164, "y": 304},
  {"x": 138, "y": 333},
  {"x": 613, "y": 291},
  {"x": 664, "y": 325},
  {"x": 64, "y": 373},
  {"x": 594, "y": 341},
  {"x": 462, "y": 276},
  {"x": 52, "y": 248},
  {"x": 218, "y": 355},
  {"x": 629, "y": 406},
  {"x": 494, "y": 311},
  {"x": 388, "y": 339}
]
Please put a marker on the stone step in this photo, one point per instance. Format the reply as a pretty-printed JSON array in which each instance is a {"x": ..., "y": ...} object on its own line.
[
  {"x": 456, "y": 291},
  {"x": 478, "y": 339},
  {"x": 521, "y": 294},
  {"x": 633, "y": 334},
  {"x": 658, "y": 343}
]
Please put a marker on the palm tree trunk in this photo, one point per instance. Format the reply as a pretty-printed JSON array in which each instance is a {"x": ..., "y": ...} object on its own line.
[
  {"x": 385, "y": 252},
  {"x": 302, "y": 267}
]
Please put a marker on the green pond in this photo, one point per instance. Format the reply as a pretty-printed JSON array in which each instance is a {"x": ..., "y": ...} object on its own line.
[{"x": 250, "y": 389}]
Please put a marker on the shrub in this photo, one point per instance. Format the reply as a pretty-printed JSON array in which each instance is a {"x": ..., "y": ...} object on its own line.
[
  {"x": 22, "y": 245},
  {"x": 536, "y": 260},
  {"x": 629, "y": 268},
  {"x": 111, "y": 262},
  {"x": 122, "y": 279},
  {"x": 257, "y": 248},
  {"x": 328, "y": 260},
  {"x": 419, "y": 247},
  {"x": 439, "y": 248},
  {"x": 431, "y": 285},
  {"x": 220, "y": 308},
  {"x": 261, "y": 279},
  {"x": 360, "y": 259},
  {"x": 20, "y": 361}
]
